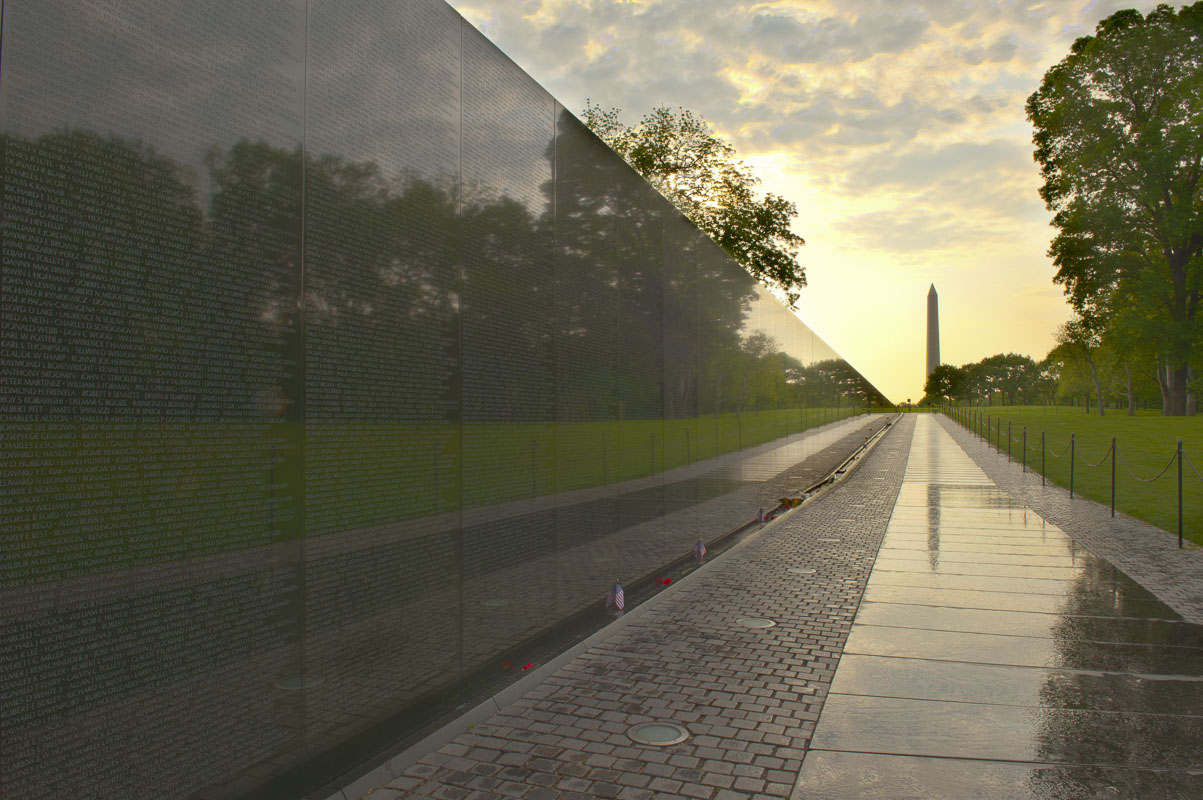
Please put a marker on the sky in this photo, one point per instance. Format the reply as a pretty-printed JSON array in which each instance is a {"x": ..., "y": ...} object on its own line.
[{"x": 897, "y": 128}]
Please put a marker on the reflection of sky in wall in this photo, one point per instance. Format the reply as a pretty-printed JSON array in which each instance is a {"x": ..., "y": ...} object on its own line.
[
  {"x": 130, "y": 69},
  {"x": 792, "y": 336},
  {"x": 186, "y": 79},
  {"x": 896, "y": 126}
]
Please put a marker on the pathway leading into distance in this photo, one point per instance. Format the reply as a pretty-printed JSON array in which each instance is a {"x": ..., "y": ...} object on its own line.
[{"x": 993, "y": 657}]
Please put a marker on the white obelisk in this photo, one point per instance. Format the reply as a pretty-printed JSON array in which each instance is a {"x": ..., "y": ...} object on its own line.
[{"x": 933, "y": 331}]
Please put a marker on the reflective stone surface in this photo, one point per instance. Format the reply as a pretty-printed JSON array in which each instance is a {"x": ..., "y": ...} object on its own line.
[
  {"x": 339, "y": 362},
  {"x": 835, "y": 775},
  {"x": 993, "y": 657}
]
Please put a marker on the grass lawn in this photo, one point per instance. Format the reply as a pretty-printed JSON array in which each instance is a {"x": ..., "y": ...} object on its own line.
[
  {"x": 1146, "y": 444},
  {"x": 78, "y": 497}
]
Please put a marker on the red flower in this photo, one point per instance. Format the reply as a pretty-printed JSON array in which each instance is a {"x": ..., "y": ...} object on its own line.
[{"x": 528, "y": 666}]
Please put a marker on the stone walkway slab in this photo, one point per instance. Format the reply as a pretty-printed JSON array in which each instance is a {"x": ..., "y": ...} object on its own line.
[
  {"x": 993, "y": 656},
  {"x": 1144, "y": 552}
]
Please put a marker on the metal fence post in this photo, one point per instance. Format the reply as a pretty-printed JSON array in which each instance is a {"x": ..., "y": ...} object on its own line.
[
  {"x": 1042, "y": 469},
  {"x": 1072, "y": 450},
  {"x": 1025, "y": 449},
  {"x": 1179, "y": 494},
  {"x": 1113, "y": 454},
  {"x": 1008, "y": 441}
]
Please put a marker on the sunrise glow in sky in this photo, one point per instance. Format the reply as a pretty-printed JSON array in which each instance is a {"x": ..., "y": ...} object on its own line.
[{"x": 896, "y": 126}]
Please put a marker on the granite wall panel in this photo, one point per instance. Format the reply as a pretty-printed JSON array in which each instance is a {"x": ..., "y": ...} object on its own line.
[{"x": 337, "y": 362}]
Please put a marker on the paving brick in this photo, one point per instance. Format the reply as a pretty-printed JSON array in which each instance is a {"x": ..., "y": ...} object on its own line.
[{"x": 748, "y": 696}]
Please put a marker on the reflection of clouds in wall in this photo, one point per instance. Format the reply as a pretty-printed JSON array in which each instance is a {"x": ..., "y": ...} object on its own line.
[
  {"x": 508, "y": 125},
  {"x": 130, "y": 70},
  {"x": 364, "y": 102}
]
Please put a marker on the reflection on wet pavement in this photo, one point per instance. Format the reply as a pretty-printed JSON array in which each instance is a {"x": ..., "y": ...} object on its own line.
[{"x": 993, "y": 657}]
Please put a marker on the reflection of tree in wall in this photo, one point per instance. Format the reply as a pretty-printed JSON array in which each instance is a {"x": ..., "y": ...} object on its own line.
[
  {"x": 202, "y": 304},
  {"x": 145, "y": 306},
  {"x": 380, "y": 272}
]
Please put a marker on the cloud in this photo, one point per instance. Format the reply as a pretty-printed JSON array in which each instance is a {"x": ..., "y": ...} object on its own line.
[
  {"x": 926, "y": 166},
  {"x": 839, "y": 39}
]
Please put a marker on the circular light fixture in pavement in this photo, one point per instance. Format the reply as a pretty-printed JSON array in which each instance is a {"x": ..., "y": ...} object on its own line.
[
  {"x": 755, "y": 622},
  {"x": 658, "y": 734},
  {"x": 801, "y": 571}
]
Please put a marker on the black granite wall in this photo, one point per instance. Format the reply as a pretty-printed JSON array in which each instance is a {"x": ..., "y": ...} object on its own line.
[{"x": 337, "y": 359}]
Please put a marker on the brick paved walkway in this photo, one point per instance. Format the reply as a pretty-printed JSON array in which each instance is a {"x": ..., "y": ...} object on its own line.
[
  {"x": 749, "y": 697},
  {"x": 1149, "y": 555}
]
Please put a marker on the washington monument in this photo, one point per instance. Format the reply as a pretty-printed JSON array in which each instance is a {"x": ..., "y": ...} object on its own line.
[{"x": 933, "y": 330}]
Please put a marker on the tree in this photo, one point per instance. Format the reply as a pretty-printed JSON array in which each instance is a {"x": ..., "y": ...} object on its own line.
[
  {"x": 1080, "y": 340},
  {"x": 945, "y": 382},
  {"x": 1117, "y": 126},
  {"x": 698, "y": 172}
]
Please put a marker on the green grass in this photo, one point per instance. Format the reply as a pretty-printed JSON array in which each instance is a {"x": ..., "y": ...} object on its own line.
[
  {"x": 1146, "y": 443},
  {"x": 80, "y": 497}
]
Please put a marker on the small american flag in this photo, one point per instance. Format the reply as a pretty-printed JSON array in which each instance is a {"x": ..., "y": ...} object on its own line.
[
  {"x": 699, "y": 551},
  {"x": 616, "y": 597}
]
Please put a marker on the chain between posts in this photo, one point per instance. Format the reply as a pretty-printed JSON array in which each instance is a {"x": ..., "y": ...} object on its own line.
[
  {"x": 1083, "y": 459},
  {"x": 1164, "y": 469},
  {"x": 1055, "y": 454},
  {"x": 974, "y": 420},
  {"x": 1192, "y": 466}
]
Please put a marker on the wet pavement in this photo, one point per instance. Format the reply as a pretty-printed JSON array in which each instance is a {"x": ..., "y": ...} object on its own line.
[
  {"x": 934, "y": 638},
  {"x": 993, "y": 657}
]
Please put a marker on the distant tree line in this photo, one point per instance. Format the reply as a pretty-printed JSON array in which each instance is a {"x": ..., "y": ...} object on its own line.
[{"x": 1094, "y": 376}]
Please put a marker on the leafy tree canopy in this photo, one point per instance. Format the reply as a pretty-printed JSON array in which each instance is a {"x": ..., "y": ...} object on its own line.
[
  {"x": 1117, "y": 134},
  {"x": 681, "y": 156},
  {"x": 945, "y": 382}
]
